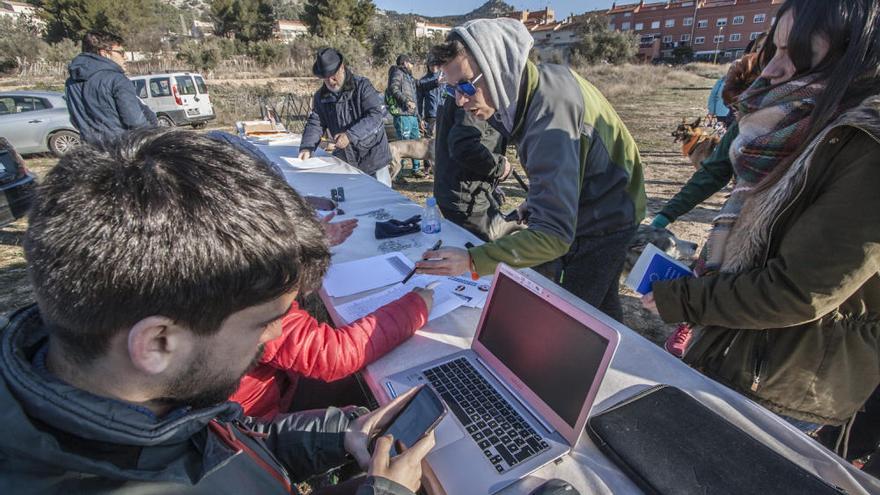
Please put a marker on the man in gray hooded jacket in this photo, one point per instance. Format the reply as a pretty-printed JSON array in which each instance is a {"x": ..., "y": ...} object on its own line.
[
  {"x": 587, "y": 191},
  {"x": 161, "y": 264}
]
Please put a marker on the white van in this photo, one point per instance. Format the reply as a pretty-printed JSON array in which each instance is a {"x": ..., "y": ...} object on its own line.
[{"x": 177, "y": 98}]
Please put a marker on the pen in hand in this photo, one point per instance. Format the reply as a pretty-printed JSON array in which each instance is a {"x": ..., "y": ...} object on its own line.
[{"x": 435, "y": 247}]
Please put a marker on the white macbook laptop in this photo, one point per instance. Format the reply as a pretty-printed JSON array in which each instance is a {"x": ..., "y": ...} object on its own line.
[{"x": 520, "y": 396}]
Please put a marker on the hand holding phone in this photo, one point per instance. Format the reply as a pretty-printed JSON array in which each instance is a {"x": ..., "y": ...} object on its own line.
[
  {"x": 419, "y": 416},
  {"x": 364, "y": 429}
]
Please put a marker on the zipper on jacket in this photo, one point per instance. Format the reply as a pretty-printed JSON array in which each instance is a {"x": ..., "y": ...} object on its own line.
[
  {"x": 228, "y": 436},
  {"x": 758, "y": 372}
]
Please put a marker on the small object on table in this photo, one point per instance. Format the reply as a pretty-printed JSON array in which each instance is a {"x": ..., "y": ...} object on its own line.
[
  {"x": 340, "y": 194},
  {"x": 334, "y": 194},
  {"x": 378, "y": 214},
  {"x": 321, "y": 203},
  {"x": 397, "y": 228}
]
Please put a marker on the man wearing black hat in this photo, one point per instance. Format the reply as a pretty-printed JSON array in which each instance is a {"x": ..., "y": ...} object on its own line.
[
  {"x": 352, "y": 110},
  {"x": 401, "y": 97}
]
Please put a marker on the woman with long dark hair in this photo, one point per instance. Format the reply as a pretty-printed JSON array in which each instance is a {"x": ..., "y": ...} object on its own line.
[{"x": 789, "y": 308}]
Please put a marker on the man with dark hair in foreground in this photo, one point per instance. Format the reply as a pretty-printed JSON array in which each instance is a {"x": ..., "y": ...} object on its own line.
[{"x": 161, "y": 264}]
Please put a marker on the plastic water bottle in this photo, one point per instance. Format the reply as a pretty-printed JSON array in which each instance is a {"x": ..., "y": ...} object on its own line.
[{"x": 431, "y": 218}]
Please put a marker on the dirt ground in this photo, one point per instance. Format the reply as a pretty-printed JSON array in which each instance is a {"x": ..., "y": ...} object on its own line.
[{"x": 650, "y": 100}]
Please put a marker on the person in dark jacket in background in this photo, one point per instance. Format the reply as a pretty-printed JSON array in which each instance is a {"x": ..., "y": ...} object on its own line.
[
  {"x": 116, "y": 381},
  {"x": 352, "y": 110},
  {"x": 402, "y": 99},
  {"x": 470, "y": 163},
  {"x": 430, "y": 98},
  {"x": 102, "y": 102}
]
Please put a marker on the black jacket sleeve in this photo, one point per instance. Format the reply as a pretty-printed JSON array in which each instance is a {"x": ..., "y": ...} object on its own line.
[
  {"x": 306, "y": 443},
  {"x": 314, "y": 128},
  {"x": 470, "y": 142}
]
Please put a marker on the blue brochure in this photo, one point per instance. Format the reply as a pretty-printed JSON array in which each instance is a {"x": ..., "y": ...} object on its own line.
[{"x": 654, "y": 265}]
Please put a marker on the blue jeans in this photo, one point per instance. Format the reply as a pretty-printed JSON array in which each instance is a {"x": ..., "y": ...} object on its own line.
[{"x": 407, "y": 127}]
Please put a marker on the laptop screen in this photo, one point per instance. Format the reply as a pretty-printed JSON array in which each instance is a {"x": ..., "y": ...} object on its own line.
[{"x": 551, "y": 352}]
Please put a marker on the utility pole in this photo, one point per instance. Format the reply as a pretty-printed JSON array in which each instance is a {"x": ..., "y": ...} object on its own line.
[
  {"x": 694, "y": 21},
  {"x": 718, "y": 43}
]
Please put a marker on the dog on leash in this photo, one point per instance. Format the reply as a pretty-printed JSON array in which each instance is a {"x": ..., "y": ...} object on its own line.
[
  {"x": 414, "y": 149},
  {"x": 679, "y": 249},
  {"x": 696, "y": 144}
]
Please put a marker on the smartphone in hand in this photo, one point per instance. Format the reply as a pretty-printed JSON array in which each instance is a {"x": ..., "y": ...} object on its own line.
[{"x": 417, "y": 418}]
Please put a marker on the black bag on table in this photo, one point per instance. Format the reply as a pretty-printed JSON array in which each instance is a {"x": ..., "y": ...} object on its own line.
[{"x": 669, "y": 443}]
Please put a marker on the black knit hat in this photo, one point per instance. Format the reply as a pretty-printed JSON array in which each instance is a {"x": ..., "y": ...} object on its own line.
[
  {"x": 403, "y": 58},
  {"x": 327, "y": 62}
]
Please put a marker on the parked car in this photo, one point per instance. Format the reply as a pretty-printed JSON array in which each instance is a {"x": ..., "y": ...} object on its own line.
[
  {"x": 17, "y": 185},
  {"x": 36, "y": 122},
  {"x": 177, "y": 98}
]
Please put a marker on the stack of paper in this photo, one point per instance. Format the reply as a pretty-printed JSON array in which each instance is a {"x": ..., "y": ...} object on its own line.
[
  {"x": 353, "y": 277},
  {"x": 345, "y": 279},
  {"x": 444, "y": 301},
  {"x": 313, "y": 162}
]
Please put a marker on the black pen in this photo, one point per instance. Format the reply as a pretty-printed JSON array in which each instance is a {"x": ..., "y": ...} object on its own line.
[{"x": 435, "y": 247}]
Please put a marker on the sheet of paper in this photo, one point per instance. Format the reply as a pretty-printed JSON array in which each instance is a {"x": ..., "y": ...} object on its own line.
[
  {"x": 352, "y": 277},
  {"x": 313, "y": 162},
  {"x": 444, "y": 301},
  {"x": 473, "y": 292}
]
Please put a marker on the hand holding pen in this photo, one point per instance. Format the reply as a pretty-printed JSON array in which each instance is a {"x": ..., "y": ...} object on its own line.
[{"x": 434, "y": 248}]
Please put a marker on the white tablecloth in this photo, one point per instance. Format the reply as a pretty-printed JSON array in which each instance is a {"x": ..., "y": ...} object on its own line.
[{"x": 637, "y": 365}]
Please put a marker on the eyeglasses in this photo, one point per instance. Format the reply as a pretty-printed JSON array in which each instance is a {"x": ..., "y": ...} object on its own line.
[{"x": 465, "y": 87}]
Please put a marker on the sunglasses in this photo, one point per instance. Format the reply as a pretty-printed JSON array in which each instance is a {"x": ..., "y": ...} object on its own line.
[{"x": 465, "y": 87}]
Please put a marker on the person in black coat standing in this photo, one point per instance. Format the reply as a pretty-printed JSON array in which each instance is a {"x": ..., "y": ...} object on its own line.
[
  {"x": 102, "y": 102},
  {"x": 350, "y": 108},
  {"x": 470, "y": 163}
]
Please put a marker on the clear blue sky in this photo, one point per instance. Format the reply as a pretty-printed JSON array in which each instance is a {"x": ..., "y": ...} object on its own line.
[{"x": 454, "y": 7}]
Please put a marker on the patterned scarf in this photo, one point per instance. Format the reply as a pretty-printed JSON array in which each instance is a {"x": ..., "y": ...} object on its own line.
[{"x": 772, "y": 125}]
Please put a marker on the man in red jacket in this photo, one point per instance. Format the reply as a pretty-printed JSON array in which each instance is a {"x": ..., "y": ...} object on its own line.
[{"x": 316, "y": 350}]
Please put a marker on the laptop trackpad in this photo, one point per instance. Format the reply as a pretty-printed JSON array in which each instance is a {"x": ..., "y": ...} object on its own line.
[{"x": 448, "y": 431}]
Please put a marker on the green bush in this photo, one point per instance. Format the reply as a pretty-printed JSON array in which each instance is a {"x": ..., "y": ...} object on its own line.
[
  {"x": 61, "y": 52},
  {"x": 599, "y": 44},
  {"x": 266, "y": 53}
]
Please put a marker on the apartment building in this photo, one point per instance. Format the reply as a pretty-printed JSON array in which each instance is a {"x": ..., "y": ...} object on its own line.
[{"x": 714, "y": 29}]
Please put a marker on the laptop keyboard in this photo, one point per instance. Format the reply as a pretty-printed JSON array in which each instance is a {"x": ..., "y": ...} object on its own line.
[{"x": 502, "y": 434}]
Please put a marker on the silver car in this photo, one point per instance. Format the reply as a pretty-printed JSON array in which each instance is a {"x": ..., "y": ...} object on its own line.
[{"x": 36, "y": 122}]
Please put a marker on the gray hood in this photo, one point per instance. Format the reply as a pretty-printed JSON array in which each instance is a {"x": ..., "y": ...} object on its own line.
[{"x": 501, "y": 48}]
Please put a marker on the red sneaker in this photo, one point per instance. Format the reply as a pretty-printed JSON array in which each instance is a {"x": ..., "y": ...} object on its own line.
[{"x": 678, "y": 342}]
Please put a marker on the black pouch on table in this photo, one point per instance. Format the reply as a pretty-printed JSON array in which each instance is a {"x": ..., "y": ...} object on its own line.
[
  {"x": 397, "y": 228},
  {"x": 669, "y": 443}
]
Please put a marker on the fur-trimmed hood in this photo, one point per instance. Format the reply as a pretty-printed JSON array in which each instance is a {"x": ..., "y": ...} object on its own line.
[{"x": 748, "y": 240}]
